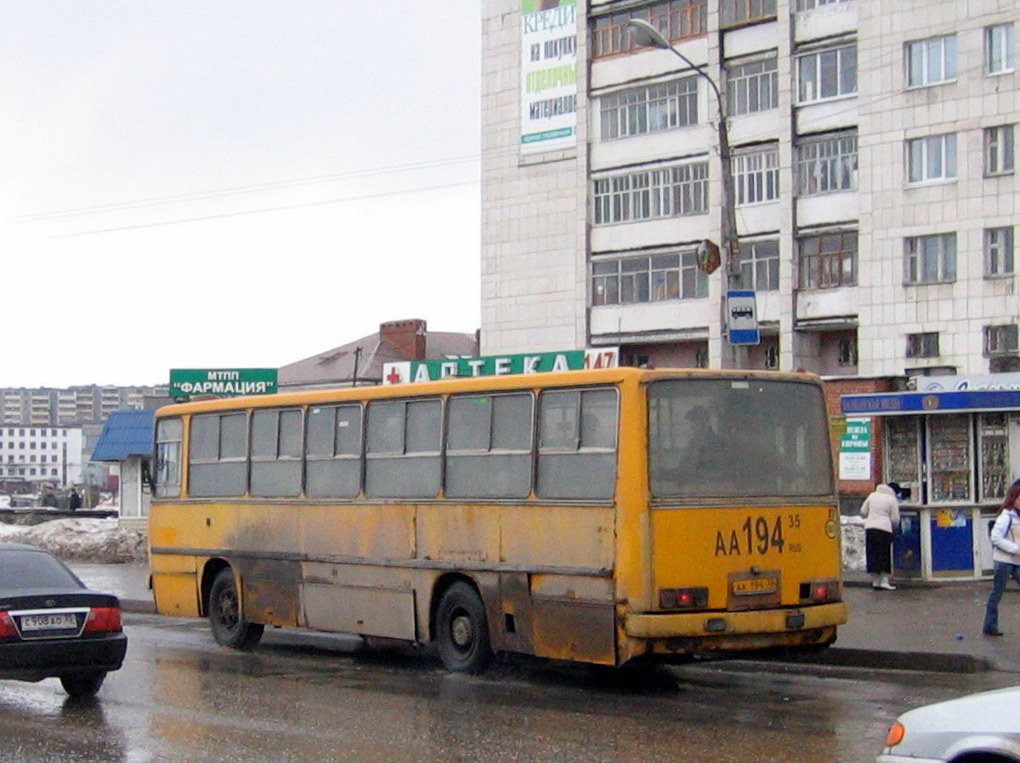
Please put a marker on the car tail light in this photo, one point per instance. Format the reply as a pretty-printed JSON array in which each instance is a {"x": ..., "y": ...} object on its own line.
[
  {"x": 683, "y": 598},
  {"x": 896, "y": 733},
  {"x": 7, "y": 626},
  {"x": 103, "y": 619},
  {"x": 821, "y": 591}
]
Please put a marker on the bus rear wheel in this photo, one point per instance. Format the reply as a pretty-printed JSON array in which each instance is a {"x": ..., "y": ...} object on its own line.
[
  {"x": 463, "y": 630},
  {"x": 229, "y": 627}
]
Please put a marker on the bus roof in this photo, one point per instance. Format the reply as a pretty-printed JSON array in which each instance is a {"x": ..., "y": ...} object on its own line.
[{"x": 624, "y": 374}]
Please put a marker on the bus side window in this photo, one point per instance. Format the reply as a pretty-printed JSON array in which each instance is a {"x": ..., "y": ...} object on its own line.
[
  {"x": 333, "y": 452},
  {"x": 276, "y": 453},
  {"x": 403, "y": 440},
  {"x": 218, "y": 461},
  {"x": 577, "y": 450},
  {"x": 488, "y": 448}
]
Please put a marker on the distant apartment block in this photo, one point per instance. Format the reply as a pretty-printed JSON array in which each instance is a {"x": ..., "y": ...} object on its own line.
[{"x": 91, "y": 404}]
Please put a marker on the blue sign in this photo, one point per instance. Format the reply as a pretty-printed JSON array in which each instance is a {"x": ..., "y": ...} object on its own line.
[
  {"x": 892, "y": 403},
  {"x": 742, "y": 318}
]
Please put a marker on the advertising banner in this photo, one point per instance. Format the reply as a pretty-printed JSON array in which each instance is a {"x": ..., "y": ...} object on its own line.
[{"x": 548, "y": 75}]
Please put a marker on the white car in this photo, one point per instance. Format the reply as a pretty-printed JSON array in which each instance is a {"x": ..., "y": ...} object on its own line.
[{"x": 981, "y": 727}]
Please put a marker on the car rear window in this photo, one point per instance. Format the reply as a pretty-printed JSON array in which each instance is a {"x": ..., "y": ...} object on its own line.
[{"x": 33, "y": 569}]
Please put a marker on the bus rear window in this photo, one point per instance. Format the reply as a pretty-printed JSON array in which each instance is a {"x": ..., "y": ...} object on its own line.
[{"x": 727, "y": 438}]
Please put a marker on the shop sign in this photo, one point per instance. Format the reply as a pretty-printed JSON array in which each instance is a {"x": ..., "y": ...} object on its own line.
[
  {"x": 222, "y": 382},
  {"x": 857, "y": 436},
  {"x": 500, "y": 365},
  {"x": 855, "y": 450}
]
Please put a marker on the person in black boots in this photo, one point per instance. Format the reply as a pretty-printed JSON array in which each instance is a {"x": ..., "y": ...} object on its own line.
[{"x": 881, "y": 512}]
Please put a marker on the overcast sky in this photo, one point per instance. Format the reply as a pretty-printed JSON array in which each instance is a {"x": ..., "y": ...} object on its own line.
[{"x": 231, "y": 183}]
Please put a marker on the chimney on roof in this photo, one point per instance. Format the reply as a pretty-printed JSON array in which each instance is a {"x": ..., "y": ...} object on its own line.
[{"x": 408, "y": 337}]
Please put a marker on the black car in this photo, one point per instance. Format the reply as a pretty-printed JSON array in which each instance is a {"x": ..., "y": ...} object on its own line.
[{"x": 51, "y": 625}]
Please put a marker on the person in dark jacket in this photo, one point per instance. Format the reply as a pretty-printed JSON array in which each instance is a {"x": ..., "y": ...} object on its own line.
[{"x": 74, "y": 502}]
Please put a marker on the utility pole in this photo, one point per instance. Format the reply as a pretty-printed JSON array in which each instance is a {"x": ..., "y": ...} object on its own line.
[{"x": 733, "y": 356}]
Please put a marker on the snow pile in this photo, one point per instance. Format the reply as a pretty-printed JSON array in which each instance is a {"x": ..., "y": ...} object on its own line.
[
  {"x": 853, "y": 544},
  {"x": 83, "y": 540}
]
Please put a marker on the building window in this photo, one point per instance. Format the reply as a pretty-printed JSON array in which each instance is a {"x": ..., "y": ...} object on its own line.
[
  {"x": 846, "y": 351},
  {"x": 931, "y": 158},
  {"x": 676, "y": 19},
  {"x": 745, "y": 11},
  {"x": 1000, "y": 340},
  {"x": 649, "y": 194},
  {"x": 756, "y": 175},
  {"x": 654, "y": 278},
  {"x": 759, "y": 265},
  {"x": 752, "y": 86},
  {"x": 827, "y": 164},
  {"x": 999, "y": 150},
  {"x": 998, "y": 252},
  {"x": 654, "y": 108},
  {"x": 1000, "y": 49},
  {"x": 808, "y": 5},
  {"x": 827, "y": 74},
  {"x": 829, "y": 260},
  {"x": 931, "y": 259},
  {"x": 924, "y": 345},
  {"x": 931, "y": 61}
]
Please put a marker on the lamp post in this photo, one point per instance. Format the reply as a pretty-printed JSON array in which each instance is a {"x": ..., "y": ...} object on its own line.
[{"x": 646, "y": 35}]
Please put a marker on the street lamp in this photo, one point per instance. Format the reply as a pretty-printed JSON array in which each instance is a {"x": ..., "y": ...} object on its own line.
[{"x": 646, "y": 35}]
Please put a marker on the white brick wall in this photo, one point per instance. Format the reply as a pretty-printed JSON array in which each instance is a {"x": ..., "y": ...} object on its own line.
[{"x": 535, "y": 239}]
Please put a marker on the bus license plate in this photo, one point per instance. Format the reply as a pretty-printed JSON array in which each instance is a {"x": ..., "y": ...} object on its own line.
[
  {"x": 48, "y": 622},
  {"x": 753, "y": 586}
]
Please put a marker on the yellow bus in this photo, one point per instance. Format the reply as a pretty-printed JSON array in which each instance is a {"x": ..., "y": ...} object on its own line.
[{"x": 602, "y": 516}]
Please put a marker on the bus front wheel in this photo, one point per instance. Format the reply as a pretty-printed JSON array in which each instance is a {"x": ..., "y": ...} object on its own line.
[
  {"x": 463, "y": 630},
  {"x": 229, "y": 627}
]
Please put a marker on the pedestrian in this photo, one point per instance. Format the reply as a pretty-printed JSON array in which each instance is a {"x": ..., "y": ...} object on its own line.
[
  {"x": 1005, "y": 537},
  {"x": 881, "y": 512},
  {"x": 74, "y": 502}
]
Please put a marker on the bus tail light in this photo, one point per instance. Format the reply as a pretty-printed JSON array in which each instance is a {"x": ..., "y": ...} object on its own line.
[
  {"x": 683, "y": 598},
  {"x": 821, "y": 590}
]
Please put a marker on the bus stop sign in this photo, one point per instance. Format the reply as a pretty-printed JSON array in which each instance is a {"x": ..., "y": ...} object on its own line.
[{"x": 742, "y": 318}]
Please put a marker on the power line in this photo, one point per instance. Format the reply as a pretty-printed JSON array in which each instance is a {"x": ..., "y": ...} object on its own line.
[
  {"x": 240, "y": 190},
  {"x": 263, "y": 210}
]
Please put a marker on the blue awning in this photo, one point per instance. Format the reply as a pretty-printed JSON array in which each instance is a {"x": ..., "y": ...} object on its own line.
[
  {"x": 125, "y": 433},
  {"x": 954, "y": 401}
]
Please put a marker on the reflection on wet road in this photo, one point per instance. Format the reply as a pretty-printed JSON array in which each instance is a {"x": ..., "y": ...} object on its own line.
[{"x": 301, "y": 697}]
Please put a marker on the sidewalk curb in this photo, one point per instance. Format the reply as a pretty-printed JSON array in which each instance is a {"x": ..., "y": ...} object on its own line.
[
  {"x": 138, "y": 606},
  {"x": 923, "y": 661}
]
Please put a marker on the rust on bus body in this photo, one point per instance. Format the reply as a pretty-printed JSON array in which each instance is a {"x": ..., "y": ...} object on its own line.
[{"x": 271, "y": 591}]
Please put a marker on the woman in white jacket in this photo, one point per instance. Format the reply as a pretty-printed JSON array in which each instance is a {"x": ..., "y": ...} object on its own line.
[
  {"x": 1005, "y": 537},
  {"x": 881, "y": 512}
]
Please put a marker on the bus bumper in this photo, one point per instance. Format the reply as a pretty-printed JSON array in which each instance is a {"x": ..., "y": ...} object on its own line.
[{"x": 724, "y": 631}]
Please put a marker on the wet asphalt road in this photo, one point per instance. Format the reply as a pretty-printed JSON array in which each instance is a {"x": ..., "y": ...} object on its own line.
[{"x": 179, "y": 697}]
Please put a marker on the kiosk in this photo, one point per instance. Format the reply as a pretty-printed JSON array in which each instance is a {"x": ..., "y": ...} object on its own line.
[{"x": 957, "y": 452}]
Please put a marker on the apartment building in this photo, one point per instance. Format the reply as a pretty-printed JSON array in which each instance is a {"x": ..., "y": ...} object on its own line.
[
  {"x": 872, "y": 155},
  {"x": 46, "y": 406},
  {"x": 41, "y": 454}
]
